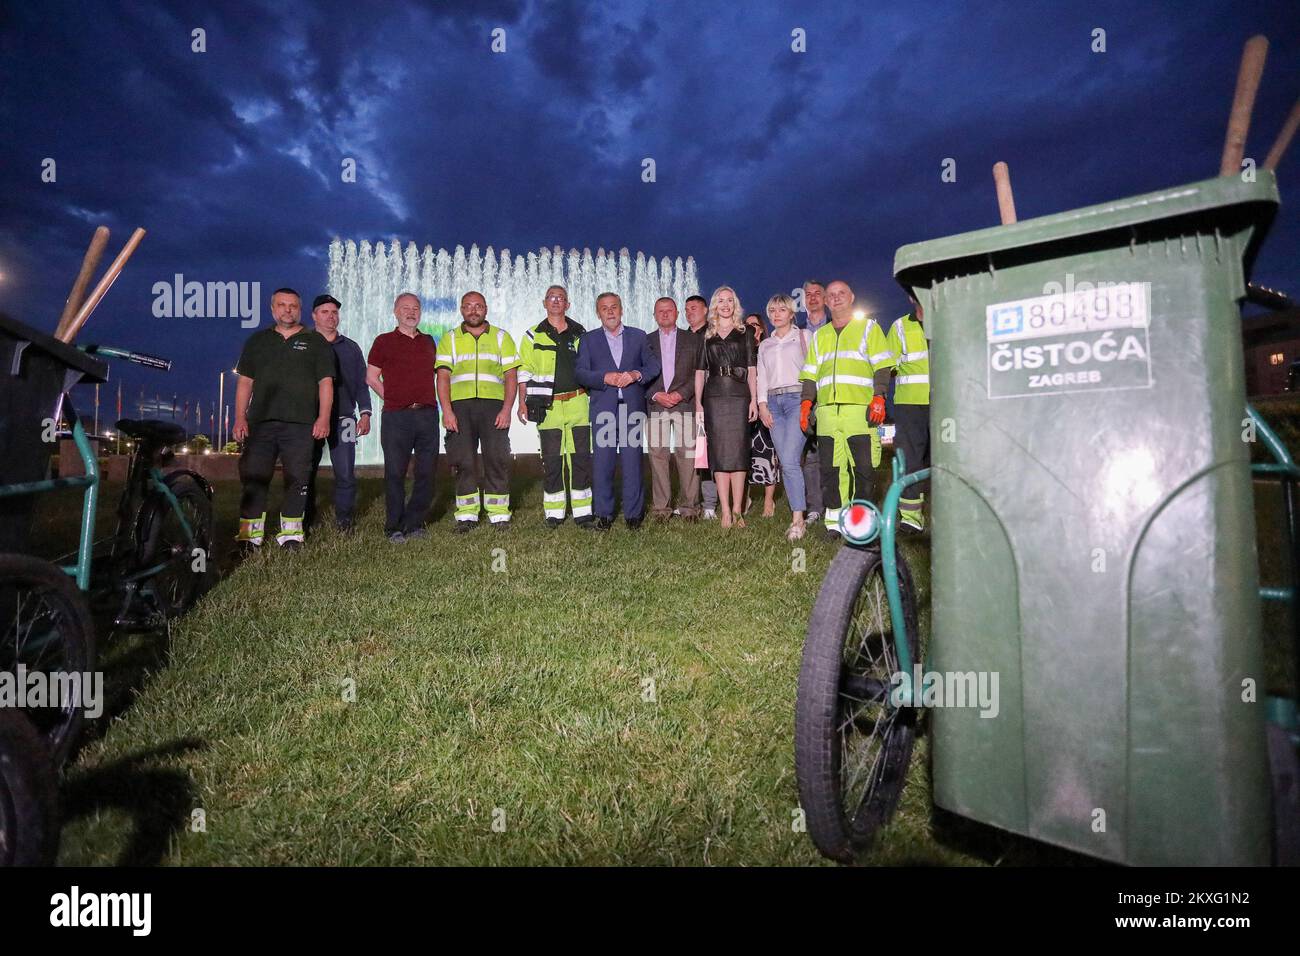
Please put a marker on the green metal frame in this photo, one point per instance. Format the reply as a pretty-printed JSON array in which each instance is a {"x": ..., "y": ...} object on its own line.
[
  {"x": 90, "y": 502},
  {"x": 886, "y": 530},
  {"x": 1282, "y": 710},
  {"x": 90, "y": 481}
]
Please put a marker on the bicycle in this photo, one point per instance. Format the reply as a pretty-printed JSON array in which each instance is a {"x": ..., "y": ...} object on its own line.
[{"x": 153, "y": 565}]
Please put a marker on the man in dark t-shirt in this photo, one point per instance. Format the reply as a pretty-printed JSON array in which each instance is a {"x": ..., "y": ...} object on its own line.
[
  {"x": 402, "y": 369},
  {"x": 282, "y": 405}
]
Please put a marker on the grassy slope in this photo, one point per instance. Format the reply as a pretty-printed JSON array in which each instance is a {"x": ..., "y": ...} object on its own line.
[{"x": 521, "y": 690}]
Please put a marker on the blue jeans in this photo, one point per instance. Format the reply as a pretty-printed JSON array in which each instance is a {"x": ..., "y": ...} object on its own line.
[
  {"x": 343, "y": 456},
  {"x": 789, "y": 441}
]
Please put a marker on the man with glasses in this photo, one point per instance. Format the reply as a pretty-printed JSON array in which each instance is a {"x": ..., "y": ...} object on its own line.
[{"x": 549, "y": 395}]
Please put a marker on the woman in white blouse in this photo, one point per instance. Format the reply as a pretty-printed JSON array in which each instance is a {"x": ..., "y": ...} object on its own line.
[{"x": 780, "y": 360}]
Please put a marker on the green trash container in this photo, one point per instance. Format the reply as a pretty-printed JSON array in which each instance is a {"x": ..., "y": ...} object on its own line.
[{"x": 1093, "y": 537}]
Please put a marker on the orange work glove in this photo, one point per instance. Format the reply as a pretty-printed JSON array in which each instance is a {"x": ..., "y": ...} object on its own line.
[
  {"x": 876, "y": 411},
  {"x": 805, "y": 409}
]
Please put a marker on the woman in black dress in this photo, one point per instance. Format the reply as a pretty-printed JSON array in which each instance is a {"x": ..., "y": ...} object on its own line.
[{"x": 726, "y": 389}]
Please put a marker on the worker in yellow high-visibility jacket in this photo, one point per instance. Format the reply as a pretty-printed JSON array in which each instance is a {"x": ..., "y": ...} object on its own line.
[
  {"x": 550, "y": 395},
  {"x": 477, "y": 375},
  {"x": 845, "y": 375},
  {"x": 911, "y": 350}
]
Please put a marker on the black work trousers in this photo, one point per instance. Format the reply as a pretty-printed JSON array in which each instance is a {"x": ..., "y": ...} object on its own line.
[
  {"x": 553, "y": 461},
  {"x": 405, "y": 433},
  {"x": 861, "y": 486},
  {"x": 912, "y": 435},
  {"x": 292, "y": 444},
  {"x": 476, "y": 430}
]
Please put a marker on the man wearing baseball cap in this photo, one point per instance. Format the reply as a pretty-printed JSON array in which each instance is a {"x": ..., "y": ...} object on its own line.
[{"x": 346, "y": 426}]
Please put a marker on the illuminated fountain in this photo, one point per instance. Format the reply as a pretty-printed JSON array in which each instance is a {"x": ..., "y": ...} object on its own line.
[{"x": 366, "y": 279}]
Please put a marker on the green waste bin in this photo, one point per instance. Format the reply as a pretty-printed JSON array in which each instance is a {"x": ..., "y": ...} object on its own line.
[
  {"x": 1093, "y": 537},
  {"x": 36, "y": 370}
]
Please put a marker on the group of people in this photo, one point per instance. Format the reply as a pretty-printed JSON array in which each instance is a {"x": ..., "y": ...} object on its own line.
[{"x": 722, "y": 401}]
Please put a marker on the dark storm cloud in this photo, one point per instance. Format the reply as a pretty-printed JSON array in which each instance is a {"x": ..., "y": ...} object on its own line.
[{"x": 771, "y": 165}]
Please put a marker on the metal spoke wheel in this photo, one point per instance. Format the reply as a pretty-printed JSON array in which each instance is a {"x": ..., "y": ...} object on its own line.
[
  {"x": 164, "y": 544},
  {"x": 852, "y": 745},
  {"x": 46, "y": 631}
]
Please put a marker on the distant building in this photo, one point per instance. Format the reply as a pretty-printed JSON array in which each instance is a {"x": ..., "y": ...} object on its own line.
[{"x": 1271, "y": 343}]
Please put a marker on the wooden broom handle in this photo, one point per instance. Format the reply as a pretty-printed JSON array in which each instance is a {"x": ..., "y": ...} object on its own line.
[
  {"x": 89, "y": 263},
  {"x": 1283, "y": 138},
  {"x": 1243, "y": 101},
  {"x": 1006, "y": 202},
  {"x": 107, "y": 281}
]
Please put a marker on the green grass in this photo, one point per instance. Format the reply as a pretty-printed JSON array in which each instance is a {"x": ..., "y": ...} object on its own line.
[{"x": 520, "y": 690}]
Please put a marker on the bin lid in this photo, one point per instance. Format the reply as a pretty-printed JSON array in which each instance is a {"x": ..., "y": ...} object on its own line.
[
  {"x": 1222, "y": 192},
  {"x": 86, "y": 368}
]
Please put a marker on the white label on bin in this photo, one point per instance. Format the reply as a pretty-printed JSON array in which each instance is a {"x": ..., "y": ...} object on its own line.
[{"x": 1094, "y": 339}]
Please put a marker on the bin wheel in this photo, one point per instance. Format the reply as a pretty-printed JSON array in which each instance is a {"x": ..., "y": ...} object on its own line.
[
  {"x": 1284, "y": 764},
  {"x": 162, "y": 541},
  {"x": 45, "y": 625},
  {"x": 852, "y": 747},
  {"x": 29, "y": 826}
]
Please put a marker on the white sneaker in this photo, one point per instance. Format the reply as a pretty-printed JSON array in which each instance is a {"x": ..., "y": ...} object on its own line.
[
  {"x": 677, "y": 512},
  {"x": 709, "y": 514},
  {"x": 813, "y": 515}
]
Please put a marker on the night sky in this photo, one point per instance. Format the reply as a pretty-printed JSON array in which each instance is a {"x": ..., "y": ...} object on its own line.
[{"x": 771, "y": 165}]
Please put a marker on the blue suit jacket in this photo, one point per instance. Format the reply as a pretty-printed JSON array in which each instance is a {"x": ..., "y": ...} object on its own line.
[{"x": 595, "y": 359}]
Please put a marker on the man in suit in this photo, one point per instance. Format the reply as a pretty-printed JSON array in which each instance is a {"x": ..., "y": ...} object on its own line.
[
  {"x": 614, "y": 364},
  {"x": 678, "y": 352}
]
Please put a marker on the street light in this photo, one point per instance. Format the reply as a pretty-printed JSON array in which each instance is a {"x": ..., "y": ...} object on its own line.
[{"x": 221, "y": 404}]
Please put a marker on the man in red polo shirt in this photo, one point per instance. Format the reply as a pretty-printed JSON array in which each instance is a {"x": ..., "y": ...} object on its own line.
[{"x": 402, "y": 369}]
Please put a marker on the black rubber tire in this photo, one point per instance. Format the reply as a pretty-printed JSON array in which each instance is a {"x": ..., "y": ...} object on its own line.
[
  {"x": 853, "y": 584},
  {"x": 161, "y": 539},
  {"x": 51, "y": 605},
  {"x": 29, "y": 812},
  {"x": 1284, "y": 766}
]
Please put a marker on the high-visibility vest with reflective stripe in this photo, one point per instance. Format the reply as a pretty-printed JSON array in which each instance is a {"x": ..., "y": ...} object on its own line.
[
  {"x": 843, "y": 362},
  {"x": 537, "y": 357},
  {"x": 478, "y": 363},
  {"x": 912, "y": 351}
]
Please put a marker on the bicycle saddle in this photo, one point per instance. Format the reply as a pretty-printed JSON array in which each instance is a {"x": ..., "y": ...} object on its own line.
[{"x": 157, "y": 433}]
